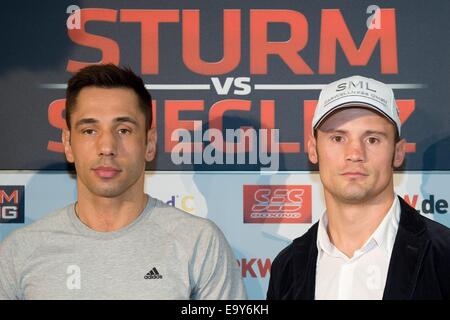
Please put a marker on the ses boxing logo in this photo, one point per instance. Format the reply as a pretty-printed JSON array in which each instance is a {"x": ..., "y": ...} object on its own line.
[
  {"x": 12, "y": 204},
  {"x": 277, "y": 203}
]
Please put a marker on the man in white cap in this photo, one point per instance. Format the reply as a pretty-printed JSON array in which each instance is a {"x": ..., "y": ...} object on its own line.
[{"x": 369, "y": 243}]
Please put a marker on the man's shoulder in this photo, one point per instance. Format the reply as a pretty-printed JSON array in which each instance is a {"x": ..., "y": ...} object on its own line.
[
  {"x": 33, "y": 234},
  {"x": 437, "y": 233},
  {"x": 51, "y": 221}
]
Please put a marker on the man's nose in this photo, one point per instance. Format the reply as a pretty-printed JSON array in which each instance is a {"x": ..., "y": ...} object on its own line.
[
  {"x": 107, "y": 144},
  {"x": 355, "y": 151}
]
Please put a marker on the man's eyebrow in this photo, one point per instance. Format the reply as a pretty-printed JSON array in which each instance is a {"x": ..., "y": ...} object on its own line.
[
  {"x": 370, "y": 132},
  {"x": 332, "y": 130},
  {"x": 126, "y": 119},
  {"x": 366, "y": 133},
  {"x": 117, "y": 120},
  {"x": 85, "y": 121}
]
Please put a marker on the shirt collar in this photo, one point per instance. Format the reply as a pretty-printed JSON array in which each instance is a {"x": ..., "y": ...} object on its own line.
[
  {"x": 383, "y": 236},
  {"x": 323, "y": 241}
]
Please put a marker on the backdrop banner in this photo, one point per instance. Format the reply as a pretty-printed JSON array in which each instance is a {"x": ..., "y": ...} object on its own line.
[{"x": 235, "y": 85}]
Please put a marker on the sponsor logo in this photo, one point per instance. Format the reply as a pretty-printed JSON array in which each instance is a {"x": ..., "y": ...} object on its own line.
[
  {"x": 153, "y": 274},
  {"x": 185, "y": 203},
  {"x": 12, "y": 204},
  {"x": 428, "y": 205},
  {"x": 254, "y": 267},
  {"x": 277, "y": 203}
]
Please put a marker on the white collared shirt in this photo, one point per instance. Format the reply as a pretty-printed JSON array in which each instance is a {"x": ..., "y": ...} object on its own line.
[{"x": 362, "y": 276}]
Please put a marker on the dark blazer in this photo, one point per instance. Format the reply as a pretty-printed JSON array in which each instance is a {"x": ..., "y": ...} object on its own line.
[{"x": 419, "y": 266}]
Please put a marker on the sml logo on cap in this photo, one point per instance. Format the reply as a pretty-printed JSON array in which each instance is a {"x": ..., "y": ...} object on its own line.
[
  {"x": 12, "y": 204},
  {"x": 357, "y": 91}
]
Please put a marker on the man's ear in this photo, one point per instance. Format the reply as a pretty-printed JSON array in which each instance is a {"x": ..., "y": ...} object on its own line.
[
  {"x": 312, "y": 150},
  {"x": 399, "y": 153},
  {"x": 67, "y": 146},
  {"x": 150, "y": 151}
]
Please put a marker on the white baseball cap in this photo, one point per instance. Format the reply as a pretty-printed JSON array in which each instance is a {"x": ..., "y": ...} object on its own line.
[{"x": 356, "y": 91}]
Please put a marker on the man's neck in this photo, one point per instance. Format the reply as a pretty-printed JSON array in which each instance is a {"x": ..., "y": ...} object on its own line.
[
  {"x": 351, "y": 225},
  {"x": 109, "y": 214}
]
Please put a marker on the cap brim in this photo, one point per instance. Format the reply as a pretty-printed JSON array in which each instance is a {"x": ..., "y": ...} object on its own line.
[{"x": 353, "y": 105}]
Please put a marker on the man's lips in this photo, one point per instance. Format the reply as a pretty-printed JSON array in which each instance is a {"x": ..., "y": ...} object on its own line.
[
  {"x": 354, "y": 174},
  {"x": 106, "y": 172}
]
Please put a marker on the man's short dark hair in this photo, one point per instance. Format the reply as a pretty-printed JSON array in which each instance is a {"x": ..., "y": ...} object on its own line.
[{"x": 108, "y": 76}]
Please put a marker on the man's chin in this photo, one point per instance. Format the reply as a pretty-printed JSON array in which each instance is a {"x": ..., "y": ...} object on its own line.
[
  {"x": 107, "y": 192},
  {"x": 354, "y": 198},
  {"x": 354, "y": 195}
]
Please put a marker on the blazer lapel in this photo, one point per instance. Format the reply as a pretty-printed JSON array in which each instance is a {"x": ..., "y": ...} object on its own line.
[{"x": 407, "y": 255}]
